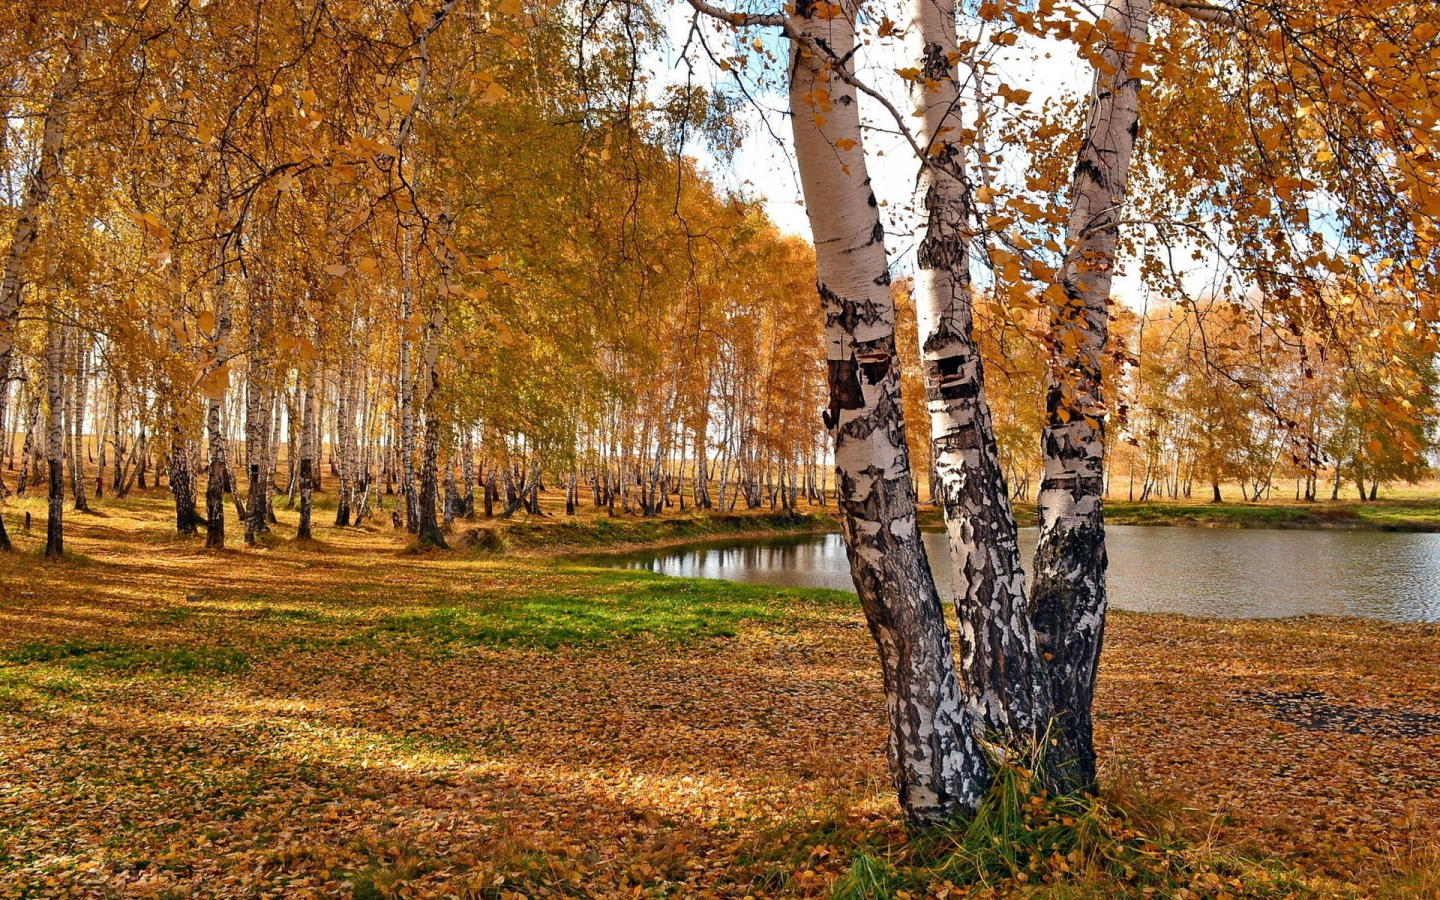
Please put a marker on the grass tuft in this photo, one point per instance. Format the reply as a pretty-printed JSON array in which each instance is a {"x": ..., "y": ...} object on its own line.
[{"x": 1023, "y": 841}]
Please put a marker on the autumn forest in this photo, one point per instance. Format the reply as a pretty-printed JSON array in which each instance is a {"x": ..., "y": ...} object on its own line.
[{"x": 440, "y": 458}]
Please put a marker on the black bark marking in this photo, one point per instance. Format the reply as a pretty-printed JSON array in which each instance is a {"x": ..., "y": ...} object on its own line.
[
  {"x": 1061, "y": 600},
  {"x": 1079, "y": 486},
  {"x": 1085, "y": 167},
  {"x": 966, "y": 437},
  {"x": 874, "y": 362},
  {"x": 845, "y": 393}
]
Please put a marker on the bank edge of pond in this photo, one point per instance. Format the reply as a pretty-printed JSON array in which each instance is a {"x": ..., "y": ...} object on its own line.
[
  {"x": 1405, "y": 516},
  {"x": 602, "y": 534}
]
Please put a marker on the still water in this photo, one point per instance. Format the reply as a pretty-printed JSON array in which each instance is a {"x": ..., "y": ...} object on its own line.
[{"x": 1231, "y": 573}]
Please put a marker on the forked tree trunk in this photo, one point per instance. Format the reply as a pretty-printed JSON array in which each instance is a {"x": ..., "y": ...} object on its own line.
[
  {"x": 1068, "y": 594},
  {"x": 1000, "y": 667},
  {"x": 937, "y": 765}
]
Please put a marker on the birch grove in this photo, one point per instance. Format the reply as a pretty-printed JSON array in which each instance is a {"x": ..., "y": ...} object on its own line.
[{"x": 324, "y": 255}]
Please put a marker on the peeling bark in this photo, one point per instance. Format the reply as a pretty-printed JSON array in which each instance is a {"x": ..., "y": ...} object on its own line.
[{"x": 1000, "y": 666}]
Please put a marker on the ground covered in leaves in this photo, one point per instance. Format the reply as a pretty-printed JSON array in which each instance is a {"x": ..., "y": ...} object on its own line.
[{"x": 355, "y": 718}]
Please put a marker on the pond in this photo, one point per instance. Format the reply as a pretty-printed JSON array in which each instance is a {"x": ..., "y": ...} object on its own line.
[{"x": 1229, "y": 573}]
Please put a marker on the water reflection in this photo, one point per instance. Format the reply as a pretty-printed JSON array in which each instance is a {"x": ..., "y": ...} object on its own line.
[{"x": 1231, "y": 573}]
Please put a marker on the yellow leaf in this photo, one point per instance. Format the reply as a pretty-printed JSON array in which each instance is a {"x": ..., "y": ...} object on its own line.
[
  {"x": 510, "y": 7},
  {"x": 368, "y": 265},
  {"x": 845, "y": 145},
  {"x": 206, "y": 321},
  {"x": 216, "y": 382},
  {"x": 336, "y": 269}
]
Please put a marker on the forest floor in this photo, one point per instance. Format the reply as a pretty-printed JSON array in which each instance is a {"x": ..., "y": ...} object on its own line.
[{"x": 352, "y": 717}]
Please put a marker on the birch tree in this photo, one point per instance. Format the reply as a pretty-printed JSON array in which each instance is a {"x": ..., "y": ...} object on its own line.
[
  {"x": 935, "y": 759},
  {"x": 39, "y": 183}
]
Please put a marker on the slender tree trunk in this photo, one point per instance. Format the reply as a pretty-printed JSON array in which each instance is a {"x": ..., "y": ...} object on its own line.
[
  {"x": 309, "y": 436},
  {"x": 1068, "y": 596},
  {"x": 1000, "y": 666},
  {"x": 407, "y": 402},
  {"x": 55, "y": 435},
  {"x": 344, "y": 436},
  {"x": 217, "y": 480},
  {"x": 257, "y": 429},
  {"x": 467, "y": 471},
  {"x": 429, "y": 529}
]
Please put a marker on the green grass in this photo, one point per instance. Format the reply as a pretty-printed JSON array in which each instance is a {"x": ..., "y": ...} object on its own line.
[{"x": 597, "y": 607}]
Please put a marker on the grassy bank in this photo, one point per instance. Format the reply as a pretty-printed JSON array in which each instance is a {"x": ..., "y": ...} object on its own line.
[
  {"x": 1380, "y": 515},
  {"x": 354, "y": 719}
]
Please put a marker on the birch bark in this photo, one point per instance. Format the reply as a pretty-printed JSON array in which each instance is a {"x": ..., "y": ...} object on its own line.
[
  {"x": 55, "y": 434},
  {"x": 429, "y": 528},
  {"x": 407, "y": 397},
  {"x": 310, "y": 432},
  {"x": 1000, "y": 666},
  {"x": 217, "y": 478},
  {"x": 1068, "y": 595}
]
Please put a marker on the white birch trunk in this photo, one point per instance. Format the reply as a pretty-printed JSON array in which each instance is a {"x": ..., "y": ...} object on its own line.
[
  {"x": 1068, "y": 594},
  {"x": 309, "y": 437},
  {"x": 1000, "y": 666},
  {"x": 407, "y": 397},
  {"x": 55, "y": 434},
  {"x": 215, "y": 435}
]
